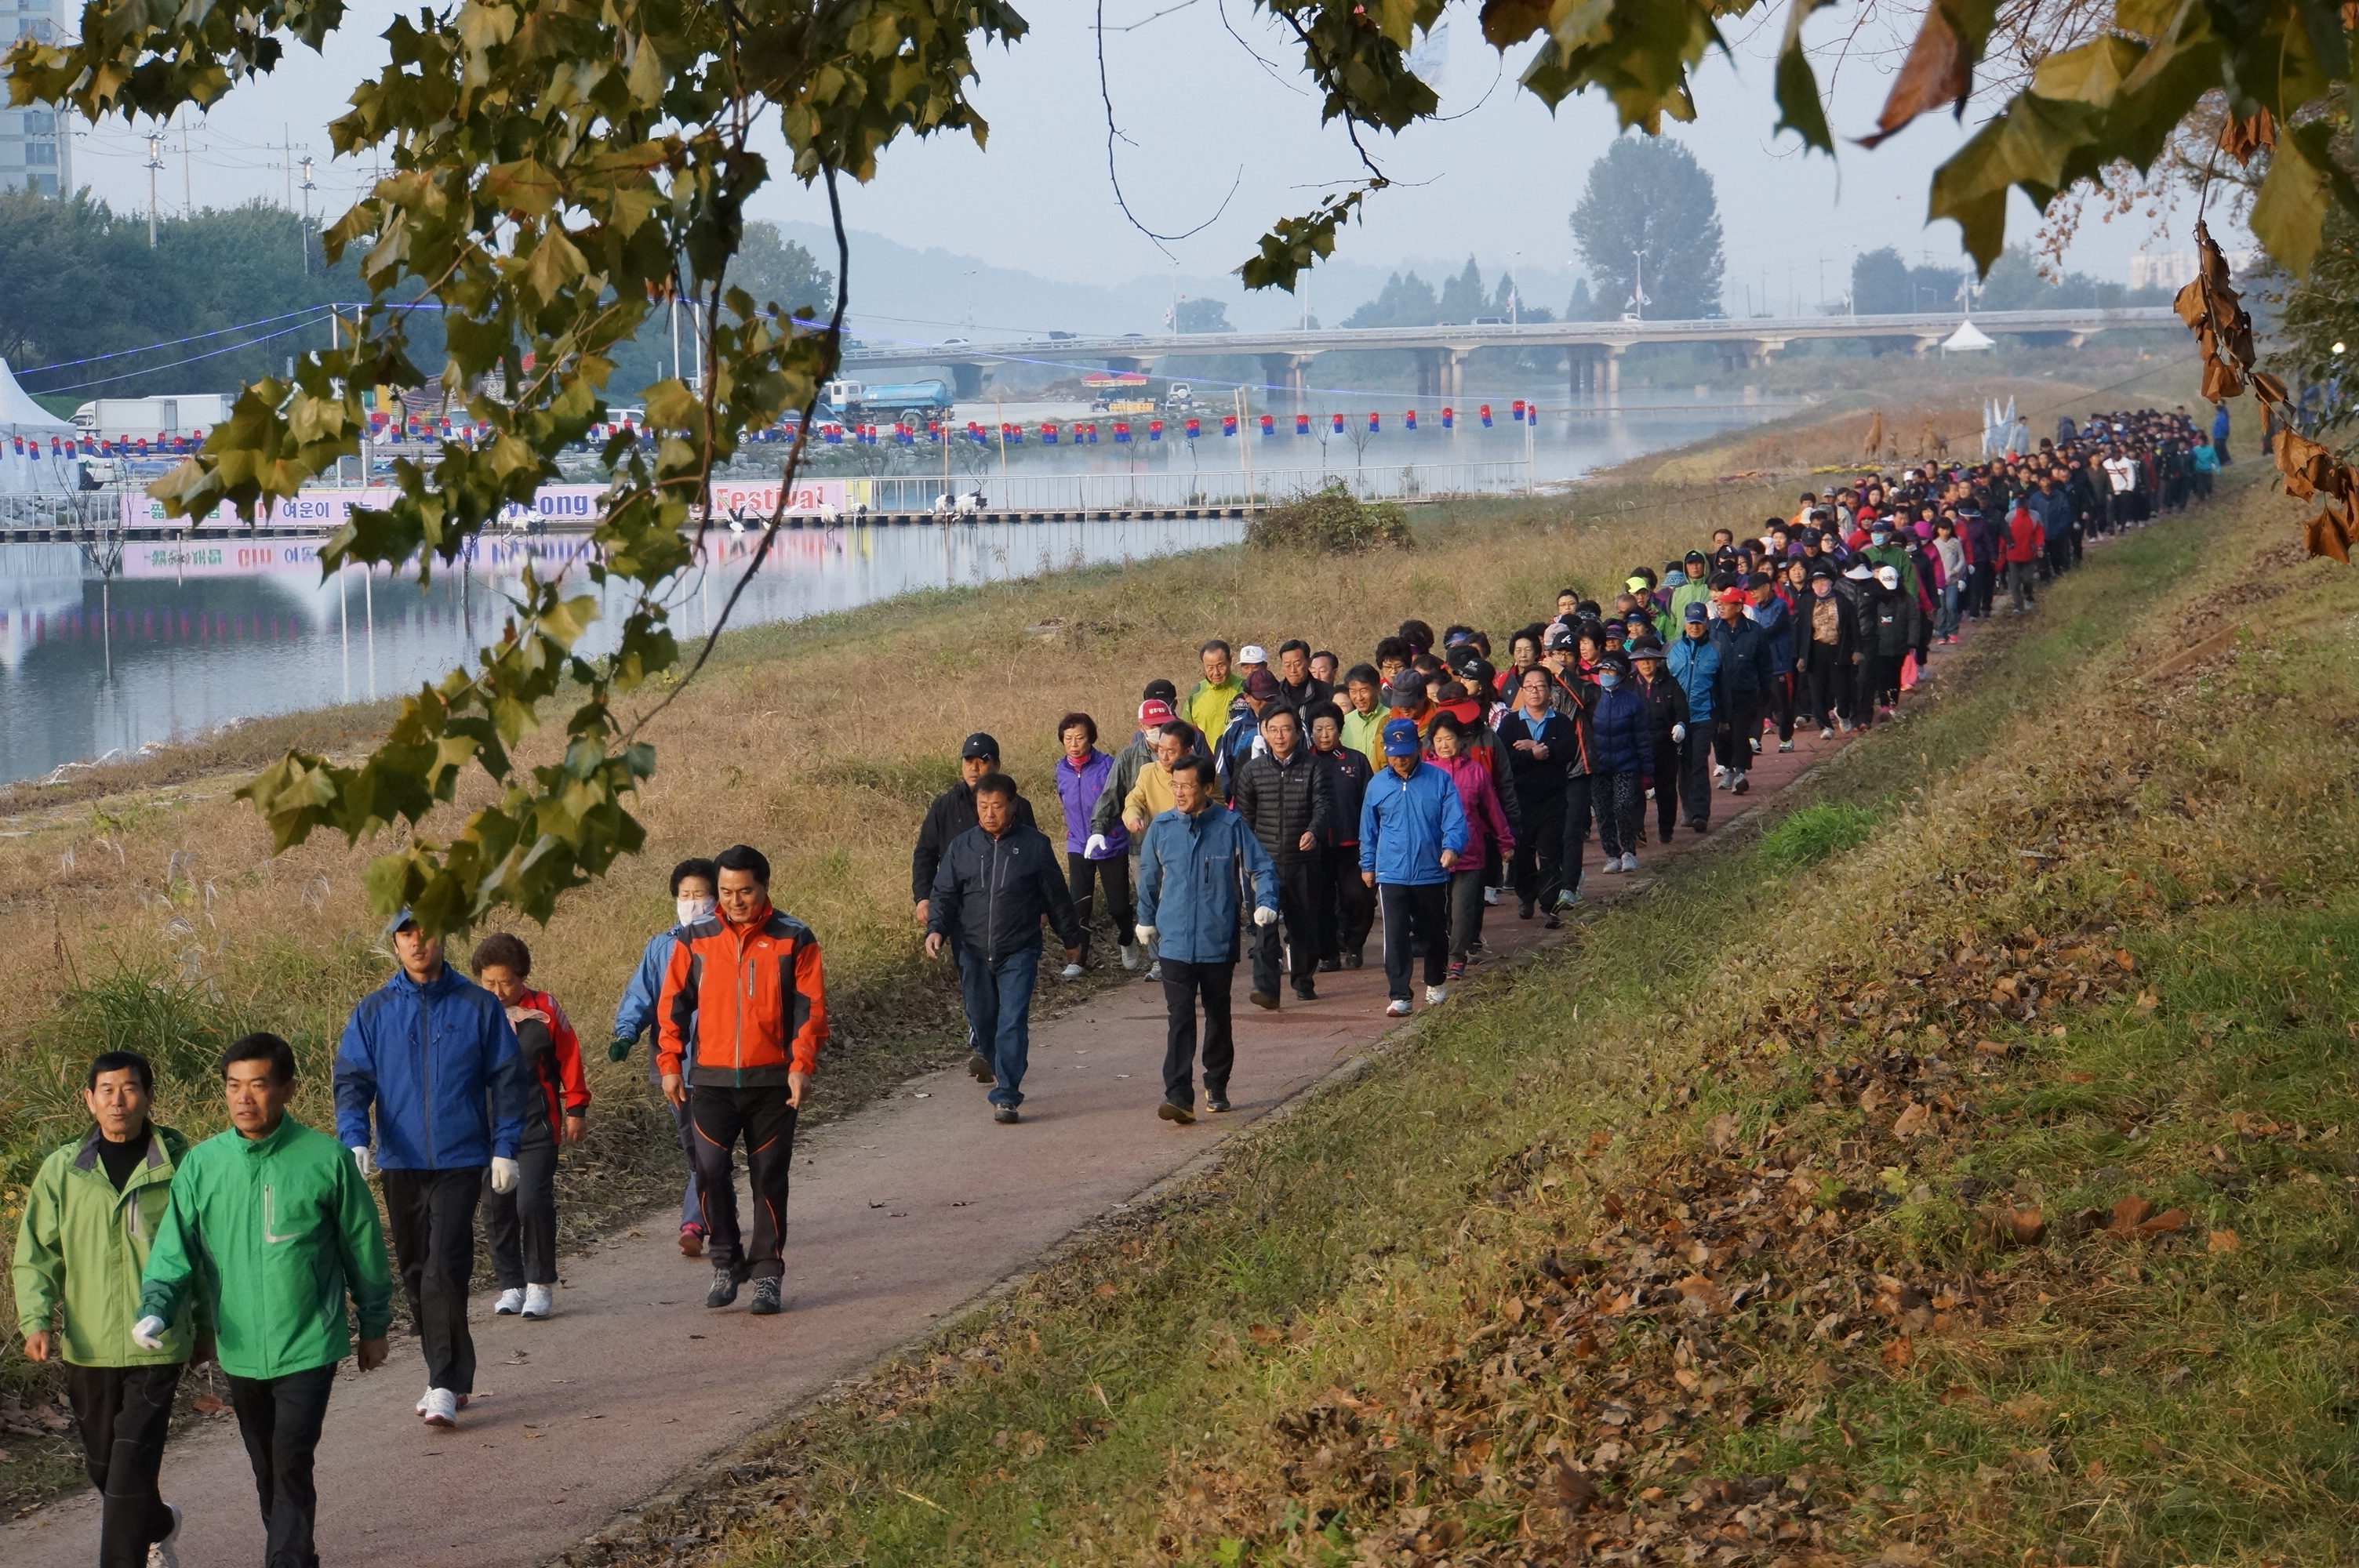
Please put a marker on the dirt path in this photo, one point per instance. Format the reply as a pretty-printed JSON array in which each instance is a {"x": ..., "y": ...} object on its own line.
[{"x": 900, "y": 1214}]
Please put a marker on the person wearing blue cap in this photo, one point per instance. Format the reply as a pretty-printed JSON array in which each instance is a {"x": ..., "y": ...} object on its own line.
[
  {"x": 1412, "y": 830},
  {"x": 1694, "y": 663}
]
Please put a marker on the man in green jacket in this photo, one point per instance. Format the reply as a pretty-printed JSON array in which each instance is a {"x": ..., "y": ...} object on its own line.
[
  {"x": 271, "y": 1225},
  {"x": 90, "y": 1218},
  {"x": 1207, "y": 706}
]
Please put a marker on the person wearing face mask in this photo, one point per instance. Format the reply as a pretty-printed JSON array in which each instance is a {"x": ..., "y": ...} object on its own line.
[
  {"x": 1626, "y": 747},
  {"x": 520, "y": 1225},
  {"x": 1825, "y": 636},
  {"x": 1888, "y": 618},
  {"x": 1883, "y": 549},
  {"x": 691, "y": 892}
]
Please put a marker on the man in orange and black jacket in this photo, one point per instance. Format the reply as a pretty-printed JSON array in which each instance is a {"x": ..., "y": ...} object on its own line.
[{"x": 743, "y": 992}]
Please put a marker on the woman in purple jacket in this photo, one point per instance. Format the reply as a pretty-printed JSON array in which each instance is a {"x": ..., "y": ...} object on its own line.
[{"x": 1082, "y": 774}]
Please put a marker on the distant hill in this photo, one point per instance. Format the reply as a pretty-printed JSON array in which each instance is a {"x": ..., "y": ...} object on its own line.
[{"x": 924, "y": 296}]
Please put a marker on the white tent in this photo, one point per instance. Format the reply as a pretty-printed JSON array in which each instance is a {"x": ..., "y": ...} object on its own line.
[
  {"x": 1965, "y": 340},
  {"x": 20, "y": 416},
  {"x": 27, "y": 465}
]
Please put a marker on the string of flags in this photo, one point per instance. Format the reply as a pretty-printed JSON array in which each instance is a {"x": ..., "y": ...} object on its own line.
[{"x": 906, "y": 433}]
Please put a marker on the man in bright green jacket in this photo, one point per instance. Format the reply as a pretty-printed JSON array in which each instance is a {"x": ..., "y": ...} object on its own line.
[
  {"x": 272, "y": 1225},
  {"x": 90, "y": 1218}
]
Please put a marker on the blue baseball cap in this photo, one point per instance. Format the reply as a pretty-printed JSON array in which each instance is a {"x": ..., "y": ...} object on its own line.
[
  {"x": 1400, "y": 738},
  {"x": 1696, "y": 611},
  {"x": 401, "y": 918}
]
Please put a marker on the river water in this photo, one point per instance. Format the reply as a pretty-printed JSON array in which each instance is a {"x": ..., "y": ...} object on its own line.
[{"x": 183, "y": 641}]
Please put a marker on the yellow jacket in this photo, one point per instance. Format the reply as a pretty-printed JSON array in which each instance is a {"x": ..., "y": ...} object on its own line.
[
  {"x": 1149, "y": 798},
  {"x": 1207, "y": 705}
]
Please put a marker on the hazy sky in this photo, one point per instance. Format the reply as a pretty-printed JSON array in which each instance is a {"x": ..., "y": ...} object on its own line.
[{"x": 1202, "y": 115}]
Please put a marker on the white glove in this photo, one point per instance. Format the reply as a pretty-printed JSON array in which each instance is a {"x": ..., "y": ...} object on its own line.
[
  {"x": 1095, "y": 848},
  {"x": 504, "y": 1174},
  {"x": 148, "y": 1334},
  {"x": 360, "y": 1158},
  {"x": 1145, "y": 936},
  {"x": 1265, "y": 915},
  {"x": 1679, "y": 733}
]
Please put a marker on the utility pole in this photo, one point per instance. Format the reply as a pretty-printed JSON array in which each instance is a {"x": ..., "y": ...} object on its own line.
[
  {"x": 187, "y": 184},
  {"x": 307, "y": 188},
  {"x": 155, "y": 162},
  {"x": 1639, "y": 293},
  {"x": 287, "y": 161},
  {"x": 1823, "y": 284}
]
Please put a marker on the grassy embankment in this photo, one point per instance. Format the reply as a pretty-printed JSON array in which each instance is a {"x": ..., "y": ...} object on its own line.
[
  {"x": 1959, "y": 1170},
  {"x": 142, "y": 908}
]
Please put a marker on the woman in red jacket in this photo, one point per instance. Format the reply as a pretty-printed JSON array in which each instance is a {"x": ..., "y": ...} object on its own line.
[{"x": 520, "y": 1226}]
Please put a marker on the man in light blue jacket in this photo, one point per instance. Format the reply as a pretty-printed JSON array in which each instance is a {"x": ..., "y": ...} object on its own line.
[
  {"x": 1694, "y": 663},
  {"x": 429, "y": 1066},
  {"x": 1412, "y": 830},
  {"x": 692, "y": 884},
  {"x": 1191, "y": 864}
]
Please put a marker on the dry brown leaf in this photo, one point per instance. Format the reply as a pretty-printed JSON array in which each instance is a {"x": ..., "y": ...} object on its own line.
[
  {"x": 1265, "y": 1334},
  {"x": 2163, "y": 1223},
  {"x": 2034, "y": 1461},
  {"x": 1897, "y": 1353},
  {"x": 1939, "y": 73},
  {"x": 2028, "y": 1226},
  {"x": 2128, "y": 1214},
  {"x": 1911, "y": 1122},
  {"x": 2222, "y": 1241},
  {"x": 1721, "y": 1132}
]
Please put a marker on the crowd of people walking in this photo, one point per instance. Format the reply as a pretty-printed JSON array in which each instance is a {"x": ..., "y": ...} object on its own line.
[{"x": 1283, "y": 813}]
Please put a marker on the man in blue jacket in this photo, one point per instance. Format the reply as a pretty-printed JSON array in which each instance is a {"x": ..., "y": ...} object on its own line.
[
  {"x": 1412, "y": 830},
  {"x": 434, "y": 1056},
  {"x": 693, "y": 885},
  {"x": 1744, "y": 678},
  {"x": 1695, "y": 665},
  {"x": 1191, "y": 864}
]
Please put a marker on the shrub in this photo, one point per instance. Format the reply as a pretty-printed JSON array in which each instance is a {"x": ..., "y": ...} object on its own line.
[{"x": 1330, "y": 521}]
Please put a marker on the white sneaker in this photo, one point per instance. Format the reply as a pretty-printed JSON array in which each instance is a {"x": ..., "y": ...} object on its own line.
[
  {"x": 1491, "y": 897},
  {"x": 1129, "y": 956},
  {"x": 1072, "y": 972},
  {"x": 1398, "y": 1009},
  {"x": 1826, "y": 732},
  {"x": 1719, "y": 777},
  {"x": 510, "y": 1304},
  {"x": 441, "y": 1408},
  {"x": 161, "y": 1553},
  {"x": 1629, "y": 862},
  {"x": 1436, "y": 995},
  {"x": 536, "y": 1301}
]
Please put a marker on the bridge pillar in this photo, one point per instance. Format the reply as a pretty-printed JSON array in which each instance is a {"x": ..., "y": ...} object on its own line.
[
  {"x": 1432, "y": 372},
  {"x": 1927, "y": 343},
  {"x": 1614, "y": 353},
  {"x": 1284, "y": 375},
  {"x": 966, "y": 380},
  {"x": 1453, "y": 378},
  {"x": 1763, "y": 347}
]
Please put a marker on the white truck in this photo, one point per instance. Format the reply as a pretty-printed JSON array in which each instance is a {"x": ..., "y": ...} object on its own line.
[{"x": 129, "y": 418}]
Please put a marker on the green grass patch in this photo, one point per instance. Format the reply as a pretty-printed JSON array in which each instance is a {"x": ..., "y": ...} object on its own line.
[{"x": 1810, "y": 835}]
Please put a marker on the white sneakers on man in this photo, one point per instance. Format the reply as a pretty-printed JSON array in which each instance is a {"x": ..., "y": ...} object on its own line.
[
  {"x": 510, "y": 1304},
  {"x": 1436, "y": 995},
  {"x": 1129, "y": 956},
  {"x": 440, "y": 1407},
  {"x": 536, "y": 1301}
]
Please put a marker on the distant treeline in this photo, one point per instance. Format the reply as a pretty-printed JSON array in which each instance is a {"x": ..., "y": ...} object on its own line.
[{"x": 79, "y": 287}]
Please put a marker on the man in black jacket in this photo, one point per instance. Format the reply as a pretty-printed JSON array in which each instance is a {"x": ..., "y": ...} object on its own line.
[
  {"x": 1746, "y": 672},
  {"x": 952, "y": 813},
  {"x": 996, "y": 883},
  {"x": 1286, "y": 798},
  {"x": 1349, "y": 910}
]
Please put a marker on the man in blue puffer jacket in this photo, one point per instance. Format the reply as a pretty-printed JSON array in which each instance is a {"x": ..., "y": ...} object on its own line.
[
  {"x": 1695, "y": 665},
  {"x": 1412, "y": 830},
  {"x": 1770, "y": 612},
  {"x": 1190, "y": 866},
  {"x": 433, "y": 1055}
]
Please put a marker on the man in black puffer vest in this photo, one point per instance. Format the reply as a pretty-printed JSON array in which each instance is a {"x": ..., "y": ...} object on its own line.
[{"x": 1288, "y": 800}]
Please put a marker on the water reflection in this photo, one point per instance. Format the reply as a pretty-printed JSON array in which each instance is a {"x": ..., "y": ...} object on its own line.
[{"x": 191, "y": 636}]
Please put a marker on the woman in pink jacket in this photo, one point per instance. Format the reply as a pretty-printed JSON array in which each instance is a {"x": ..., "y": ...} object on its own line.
[{"x": 1487, "y": 830}]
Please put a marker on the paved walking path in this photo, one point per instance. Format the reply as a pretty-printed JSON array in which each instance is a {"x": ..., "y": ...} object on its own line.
[{"x": 900, "y": 1214}]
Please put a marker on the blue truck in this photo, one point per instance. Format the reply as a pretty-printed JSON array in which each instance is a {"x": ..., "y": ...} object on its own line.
[{"x": 861, "y": 402}]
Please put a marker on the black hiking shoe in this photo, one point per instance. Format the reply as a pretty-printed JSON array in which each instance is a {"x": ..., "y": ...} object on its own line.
[
  {"x": 1005, "y": 1116},
  {"x": 1216, "y": 1102},
  {"x": 766, "y": 1298},
  {"x": 1179, "y": 1113},
  {"x": 978, "y": 1067},
  {"x": 725, "y": 1287}
]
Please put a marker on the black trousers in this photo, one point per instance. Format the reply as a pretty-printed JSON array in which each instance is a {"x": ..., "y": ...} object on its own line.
[
  {"x": 123, "y": 1414},
  {"x": 1695, "y": 776},
  {"x": 1082, "y": 877},
  {"x": 1537, "y": 867},
  {"x": 1781, "y": 703},
  {"x": 1621, "y": 802},
  {"x": 1667, "y": 789},
  {"x": 432, "y": 1217},
  {"x": 1355, "y": 913},
  {"x": 520, "y": 1227},
  {"x": 1415, "y": 914},
  {"x": 1300, "y": 915},
  {"x": 767, "y": 1123},
  {"x": 1465, "y": 912},
  {"x": 1830, "y": 698},
  {"x": 279, "y": 1419},
  {"x": 1739, "y": 726},
  {"x": 1184, "y": 985},
  {"x": 1572, "y": 831}
]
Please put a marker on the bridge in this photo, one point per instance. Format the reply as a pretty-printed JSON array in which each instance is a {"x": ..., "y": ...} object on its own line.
[{"x": 1592, "y": 350}]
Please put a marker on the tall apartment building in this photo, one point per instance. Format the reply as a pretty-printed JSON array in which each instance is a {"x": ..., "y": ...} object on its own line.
[{"x": 36, "y": 145}]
